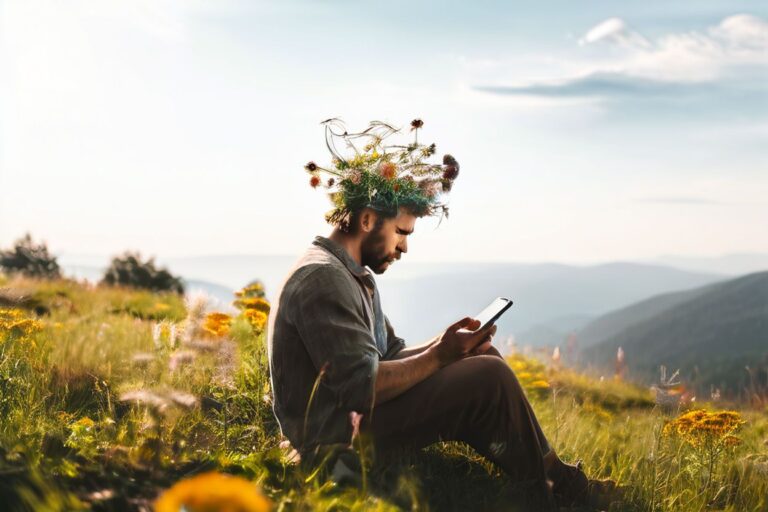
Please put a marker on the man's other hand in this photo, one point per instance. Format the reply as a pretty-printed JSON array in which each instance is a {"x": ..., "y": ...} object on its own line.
[{"x": 462, "y": 340}]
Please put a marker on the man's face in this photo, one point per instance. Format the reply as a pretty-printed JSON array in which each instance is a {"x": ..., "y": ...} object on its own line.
[{"x": 381, "y": 247}]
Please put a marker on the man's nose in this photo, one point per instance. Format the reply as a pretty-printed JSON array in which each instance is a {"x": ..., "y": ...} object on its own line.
[{"x": 403, "y": 247}]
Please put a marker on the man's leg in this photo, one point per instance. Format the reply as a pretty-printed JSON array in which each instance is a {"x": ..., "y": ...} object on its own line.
[{"x": 477, "y": 400}]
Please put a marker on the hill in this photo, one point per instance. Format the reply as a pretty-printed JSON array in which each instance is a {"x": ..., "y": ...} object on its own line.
[{"x": 711, "y": 334}]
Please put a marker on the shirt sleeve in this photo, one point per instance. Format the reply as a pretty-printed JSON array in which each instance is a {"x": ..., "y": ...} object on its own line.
[
  {"x": 394, "y": 344},
  {"x": 329, "y": 318}
]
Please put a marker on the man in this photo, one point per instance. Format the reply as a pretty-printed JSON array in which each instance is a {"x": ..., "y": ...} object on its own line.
[{"x": 334, "y": 354}]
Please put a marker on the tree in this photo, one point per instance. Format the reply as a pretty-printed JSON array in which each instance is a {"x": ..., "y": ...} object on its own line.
[
  {"x": 129, "y": 270},
  {"x": 30, "y": 259}
]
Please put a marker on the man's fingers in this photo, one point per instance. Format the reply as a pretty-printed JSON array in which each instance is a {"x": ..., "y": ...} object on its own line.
[
  {"x": 482, "y": 348},
  {"x": 468, "y": 322}
]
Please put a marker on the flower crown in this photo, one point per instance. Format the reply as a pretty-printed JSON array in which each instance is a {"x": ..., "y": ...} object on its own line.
[{"x": 382, "y": 176}]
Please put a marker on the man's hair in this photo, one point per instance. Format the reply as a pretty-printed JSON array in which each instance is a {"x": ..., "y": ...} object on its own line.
[{"x": 349, "y": 224}]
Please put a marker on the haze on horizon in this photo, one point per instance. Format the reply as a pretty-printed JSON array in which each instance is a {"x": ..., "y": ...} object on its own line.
[{"x": 586, "y": 133}]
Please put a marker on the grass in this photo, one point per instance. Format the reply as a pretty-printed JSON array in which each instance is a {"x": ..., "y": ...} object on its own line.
[{"x": 93, "y": 418}]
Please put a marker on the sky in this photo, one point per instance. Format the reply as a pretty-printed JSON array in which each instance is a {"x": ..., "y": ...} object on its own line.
[{"x": 586, "y": 131}]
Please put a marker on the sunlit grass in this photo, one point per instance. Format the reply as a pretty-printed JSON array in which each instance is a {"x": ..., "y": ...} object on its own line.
[{"x": 109, "y": 396}]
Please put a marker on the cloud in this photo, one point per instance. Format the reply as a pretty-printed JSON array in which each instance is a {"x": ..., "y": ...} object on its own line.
[
  {"x": 615, "y": 30},
  {"x": 608, "y": 85},
  {"x": 731, "y": 56}
]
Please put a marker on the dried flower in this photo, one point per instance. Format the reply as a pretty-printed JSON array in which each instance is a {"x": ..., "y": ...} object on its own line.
[
  {"x": 416, "y": 124},
  {"x": 311, "y": 166},
  {"x": 314, "y": 181},
  {"x": 331, "y": 181}
]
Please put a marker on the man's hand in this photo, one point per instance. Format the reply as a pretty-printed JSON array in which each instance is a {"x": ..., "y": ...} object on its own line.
[{"x": 462, "y": 340}]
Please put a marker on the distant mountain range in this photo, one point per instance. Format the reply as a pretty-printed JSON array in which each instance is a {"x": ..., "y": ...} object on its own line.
[
  {"x": 548, "y": 297},
  {"x": 713, "y": 334},
  {"x": 731, "y": 264},
  {"x": 421, "y": 299}
]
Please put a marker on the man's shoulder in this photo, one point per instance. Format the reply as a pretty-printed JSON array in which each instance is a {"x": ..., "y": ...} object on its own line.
[{"x": 314, "y": 267}]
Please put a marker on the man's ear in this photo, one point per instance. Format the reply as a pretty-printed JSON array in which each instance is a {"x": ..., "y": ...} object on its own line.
[{"x": 367, "y": 220}]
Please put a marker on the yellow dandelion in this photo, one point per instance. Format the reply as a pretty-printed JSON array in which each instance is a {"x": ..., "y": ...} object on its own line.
[{"x": 213, "y": 491}]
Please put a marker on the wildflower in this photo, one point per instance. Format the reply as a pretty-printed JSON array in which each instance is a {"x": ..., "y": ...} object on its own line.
[
  {"x": 213, "y": 491},
  {"x": 257, "y": 303},
  {"x": 416, "y": 124},
  {"x": 253, "y": 289},
  {"x": 180, "y": 358},
  {"x": 85, "y": 422},
  {"x": 145, "y": 397},
  {"x": 387, "y": 170},
  {"x": 142, "y": 359},
  {"x": 256, "y": 318},
  {"x": 182, "y": 399},
  {"x": 707, "y": 430},
  {"x": 217, "y": 324},
  {"x": 430, "y": 187},
  {"x": 16, "y": 322},
  {"x": 539, "y": 384},
  {"x": 311, "y": 166},
  {"x": 331, "y": 182},
  {"x": 355, "y": 177},
  {"x": 314, "y": 181},
  {"x": 556, "y": 356},
  {"x": 429, "y": 150}
]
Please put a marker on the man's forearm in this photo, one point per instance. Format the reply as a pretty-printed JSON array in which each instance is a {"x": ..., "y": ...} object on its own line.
[
  {"x": 412, "y": 351},
  {"x": 396, "y": 376}
]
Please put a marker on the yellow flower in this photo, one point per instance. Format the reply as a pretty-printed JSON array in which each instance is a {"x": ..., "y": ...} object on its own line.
[
  {"x": 213, "y": 492},
  {"x": 85, "y": 421},
  {"x": 252, "y": 303},
  {"x": 217, "y": 324},
  {"x": 539, "y": 384},
  {"x": 700, "y": 428},
  {"x": 257, "y": 319},
  {"x": 16, "y": 322}
]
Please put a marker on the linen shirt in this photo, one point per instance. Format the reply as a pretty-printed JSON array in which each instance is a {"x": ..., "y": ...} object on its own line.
[{"x": 325, "y": 337}]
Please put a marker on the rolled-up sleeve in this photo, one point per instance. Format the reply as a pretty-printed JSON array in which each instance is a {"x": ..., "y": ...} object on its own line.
[
  {"x": 329, "y": 318},
  {"x": 394, "y": 344}
]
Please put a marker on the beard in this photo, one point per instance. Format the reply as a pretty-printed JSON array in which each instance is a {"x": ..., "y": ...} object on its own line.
[{"x": 373, "y": 252}]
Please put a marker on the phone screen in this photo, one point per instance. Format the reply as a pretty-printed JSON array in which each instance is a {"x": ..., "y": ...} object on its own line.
[{"x": 494, "y": 310}]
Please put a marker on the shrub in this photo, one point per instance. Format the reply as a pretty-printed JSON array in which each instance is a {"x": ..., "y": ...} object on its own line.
[
  {"x": 30, "y": 259},
  {"x": 129, "y": 270}
]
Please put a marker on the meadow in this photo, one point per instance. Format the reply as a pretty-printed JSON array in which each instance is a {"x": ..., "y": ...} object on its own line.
[{"x": 120, "y": 399}]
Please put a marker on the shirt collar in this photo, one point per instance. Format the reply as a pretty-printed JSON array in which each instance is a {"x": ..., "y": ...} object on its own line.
[{"x": 342, "y": 254}]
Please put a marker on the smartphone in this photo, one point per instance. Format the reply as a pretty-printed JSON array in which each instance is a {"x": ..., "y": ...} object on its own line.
[{"x": 492, "y": 313}]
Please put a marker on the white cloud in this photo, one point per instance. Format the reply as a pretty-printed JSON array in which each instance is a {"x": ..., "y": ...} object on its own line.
[
  {"x": 728, "y": 60},
  {"x": 615, "y": 30},
  {"x": 737, "y": 41}
]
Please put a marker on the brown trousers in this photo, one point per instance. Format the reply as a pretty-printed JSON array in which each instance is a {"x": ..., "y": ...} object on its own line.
[{"x": 477, "y": 400}]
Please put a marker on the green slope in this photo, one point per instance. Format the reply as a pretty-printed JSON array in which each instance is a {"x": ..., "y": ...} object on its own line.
[{"x": 711, "y": 334}]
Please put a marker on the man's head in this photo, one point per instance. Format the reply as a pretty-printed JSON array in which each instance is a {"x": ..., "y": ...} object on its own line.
[{"x": 383, "y": 238}]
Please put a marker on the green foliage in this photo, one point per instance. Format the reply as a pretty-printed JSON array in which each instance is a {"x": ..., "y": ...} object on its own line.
[
  {"x": 129, "y": 270},
  {"x": 29, "y": 259}
]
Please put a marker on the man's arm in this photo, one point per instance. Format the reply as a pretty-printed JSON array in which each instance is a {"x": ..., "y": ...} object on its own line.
[
  {"x": 412, "y": 351},
  {"x": 394, "y": 377}
]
